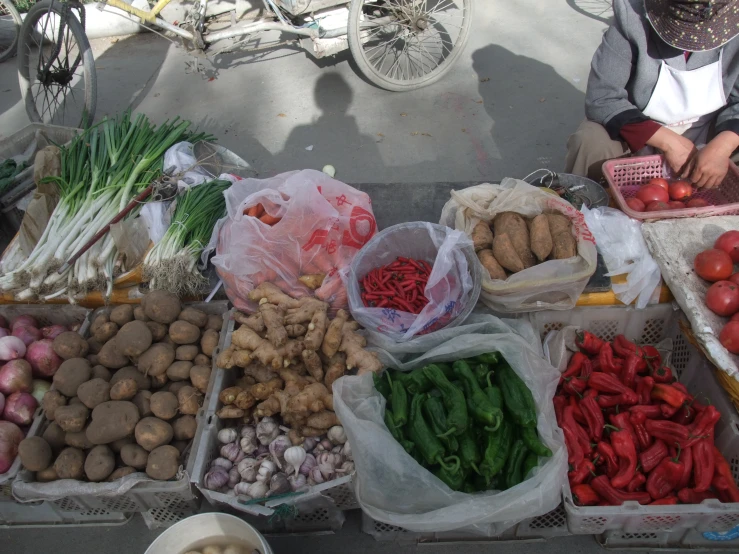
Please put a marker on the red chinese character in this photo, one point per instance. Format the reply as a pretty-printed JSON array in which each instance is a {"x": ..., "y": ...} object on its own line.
[
  {"x": 317, "y": 238},
  {"x": 331, "y": 248},
  {"x": 353, "y": 237},
  {"x": 341, "y": 200}
]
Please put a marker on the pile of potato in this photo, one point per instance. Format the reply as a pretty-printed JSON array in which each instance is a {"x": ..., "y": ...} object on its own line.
[
  {"x": 514, "y": 243},
  {"x": 125, "y": 399}
]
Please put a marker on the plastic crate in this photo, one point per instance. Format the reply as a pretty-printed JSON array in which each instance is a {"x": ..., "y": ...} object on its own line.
[
  {"x": 651, "y": 325},
  {"x": 626, "y": 175}
]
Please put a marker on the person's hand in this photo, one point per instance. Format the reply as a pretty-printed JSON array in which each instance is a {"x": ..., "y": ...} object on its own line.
[
  {"x": 678, "y": 150},
  {"x": 712, "y": 162}
]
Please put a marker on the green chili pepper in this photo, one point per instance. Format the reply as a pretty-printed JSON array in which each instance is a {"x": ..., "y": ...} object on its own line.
[
  {"x": 469, "y": 488},
  {"x": 493, "y": 393},
  {"x": 514, "y": 466},
  {"x": 418, "y": 382},
  {"x": 469, "y": 454},
  {"x": 433, "y": 409},
  {"x": 408, "y": 446},
  {"x": 531, "y": 461},
  {"x": 517, "y": 397},
  {"x": 446, "y": 369},
  {"x": 481, "y": 372},
  {"x": 398, "y": 402},
  {"x": 453, "y": 398},
  {"x": 381, "y": 385},
  {"x": 392, "y": 426},
  {"x": 479, "y": 482},
  {"x": 478, "y": 403},
  {"x": 454, "y": 479},
  {"x": 425, "y": 441},
  {"x": 532, "y": 441},
  {"x": 489, "y": 358},
  {"x": 497, "y": 447}
]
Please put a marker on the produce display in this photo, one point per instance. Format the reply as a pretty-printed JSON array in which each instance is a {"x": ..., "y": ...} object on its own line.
[
  {"x": 125, "y": 399},
  {"x": 633, "y": 433},
  {"x": 660, "y": 194},
  {"x": 472, "y": 434},
  {"x": 514, "y": 243},
  {"x": 399, "y": 285}
]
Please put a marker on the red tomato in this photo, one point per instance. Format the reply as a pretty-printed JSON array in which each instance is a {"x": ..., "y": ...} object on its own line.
[
  {"x": 722, "y": 298},
  {"x": 635, "y": 204},
  {"x": 652, "y": 193},
  {"x": 713, "y": 265},
  {"x": 680, "y": 190},
  {"x": 697, "y": 203},
  {"x": 729, "y": 337},
  {"x": 657, "y": 207},
  {"x": 660, "y": 182},
  {"x": 734, "y": 278},
  {"x": 729, "y": 243},
  {"x": 676, "y": 205}
]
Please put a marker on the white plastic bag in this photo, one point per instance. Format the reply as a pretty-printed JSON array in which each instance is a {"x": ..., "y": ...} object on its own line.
[
  {"x": 180, "y": 160},
  {"x": 452, "y": 289},
  {"x": 392, "y": 487},
  {"x": 552, "y": 285}
]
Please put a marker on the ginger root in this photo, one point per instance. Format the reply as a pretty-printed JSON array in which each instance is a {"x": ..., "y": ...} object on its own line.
[
  {"x": 312, "y": 281},
  {"x": 291, "y": 351},
  {"x": 316, "y": 331},
  {"x": 241, "y": 358},
  {"x": 262, "y": 349},
  {"x": 352, "y": 344},
  {"x": 295, "y": 437},
  {"x": 225, "y": 358},
  {"x": 253, "y": 321},
  {"x": 305, "y": 310},
  {"x": 335, "y": 368},
  {"x": 262, "y": 391},
  {"x": 307, "y": 400},
  {"x": 230, "y": 412},
  {"x": 313, "y": 364},
  {"x": 245, "y": 400},
  {"x": 269, "y": 407},
  {"x": 274, "y": 321},
  {"x": 272, "y": 294},
  {"x": 294, "y": 331},
  {"x": 323, "y": 420},
  {"x": 332, "y": 338},
  {"x": 229, "y": 395}
]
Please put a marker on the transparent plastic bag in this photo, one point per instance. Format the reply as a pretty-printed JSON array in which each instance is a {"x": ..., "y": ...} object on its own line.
[
  {"x": 323, "y": 225},
  {"x": 452, "y": 289},
  {"x": 551, "y": 285},
  {"x": 392, "y": 487}
]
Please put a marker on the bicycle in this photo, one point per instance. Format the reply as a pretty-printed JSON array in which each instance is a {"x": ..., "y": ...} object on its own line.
[
  {"x": 10, "y": 24},
  {"x": 398, "y": 45}
]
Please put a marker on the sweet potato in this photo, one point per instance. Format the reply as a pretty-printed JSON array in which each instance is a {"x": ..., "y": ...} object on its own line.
[
  {"x": 162, "y": 306},
  {"x": 164, "y": 405},
  {"x": 72, "y": 418},
  {"x": 482, "y": 236},
  {"x": 134, "y": 455},
  {"x": 70, "y": 464},
  {"x": 186, "y": 352},
  {"x": 35, "y": 453},
  {"x": 152, "y": 432},
  {"x": 125, "y": 389},
  {"x": 163, "y": 463},
  {"x": 184, "y": 428},
  {"x": 488, "y": 261},
  {"x": 558, "y": 223},
  {"x": 156, "y": 359},
  {"x": 134, "y": 338},
  {"x": 94, "y": 392},
  {"x": 122, "y": 314},
  {"x": 111, "y": 421},
  {"x": 564, "y": 246},
  {"x": 99, "y": 464},
  {"x": 506, "y": 255},
  {"x": 179, "y": 371},
  {"x": 70, "y": 345},
  {"x": 541, "y": 238},
  {"x": 111, "y": 357},
  {"x": 514, "y": 225},
  {"x": 70, "y": 375}
]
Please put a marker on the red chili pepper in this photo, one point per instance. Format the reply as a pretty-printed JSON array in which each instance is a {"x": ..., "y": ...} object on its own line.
[
  {"x": 652, "y": 355},
  {"x": 652, "y": 411},
  {"x": 625, "y": 449},
  {"x": 588, "y": 342},
  {"x": 606, "y": 453},
  {"x": 575, "y": 454},
  {"x": 643, "y": 440},
  {"x": 576, "y": 411},
  {"x": 725, "y": 489},
  {"x": 663, "y": 375},
  {"x": 623, "y": 346},
  {"x": 723, "y": 480},
  {"x": 685, "y": 415},
  {"x": 587, "y": 370},
  {"x": 628, "y": 373},
  {"x": 652, "y": 456},
  {"x": 682, "y": 388},
  {"x": 575, "y": 387},
  {"x": 703, "y": 464},
  {"x": 560, "y": 402},
  {"x": 609, "y": 384},
  {"x": 614, "y": 497},
  {"x": 593, "y": 417},
  {"x": 606, "y": 360},
  {"x": 669, "y": 394},
  {"x": 644, "y": 390},
  {"x": 668, "y": 431},
  {"x": 637, "y": 483},
  {"x": 584, "y": 495},
  {"x": 622, "y": 421},
  {"x": 582, "y": 472},
  {"x": 665, "y": 477},
  {"x": 691, "y": 496},
  {"x": 668, "y": 412},
  {"x": 705, "y": 423},
  {"x": 666, "y": 501},
  {"x": 568, "y": 418},
  {"x": 595, "y": 362},
  {"x": 685, "y": 457}
]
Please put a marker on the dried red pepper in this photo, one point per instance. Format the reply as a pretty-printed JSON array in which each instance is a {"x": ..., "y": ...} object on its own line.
[
  {"x": 615, "y": 497},
  {"x": 584, "y": 495},
  {"x": 669, "y": 394},
  {"x": 625, "y": 449},
  {"x": 588, "y": 342},
  {"x": 652, "y": 456}
]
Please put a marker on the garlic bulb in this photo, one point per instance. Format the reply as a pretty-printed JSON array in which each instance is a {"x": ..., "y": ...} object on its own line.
[
  {"x": 336, "y": 434},
  {"x": 278, "y": 484},
  {"x": 227, "y": 434},
  {"x": 266, "y": 469},
  {"x": 222, "y": 462},
  {"x": 277, "y": 449},
  {"x": 233, "y": 477},
  {"x": 215, "y": 479},
  {"x": 247, "y": 431},
  {"x": 257, "y": 490},
  {"x": 294, "y": 457},
  {"x": 232, "y": 452},
  {"x": 242, "y": 489},
  {"x": 308, "y": 464},
  {"x": 316, "y": 476},
  {"x": 248, "y": 445},
  {"x": 297, "y": 482},
  {"x": 248, "y": 469},
  {"x": 261, "y": 452},
  {"x": 346, "y": 468},
  {"x": 310, "y": 443},
  {"x": 267, "y": 430},
  {"x": 347, "y": 451},
  {"x": 326, "y": 444}
]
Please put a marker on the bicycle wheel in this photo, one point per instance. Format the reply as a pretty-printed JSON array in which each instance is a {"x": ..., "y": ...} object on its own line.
[
  {"x": 407, "y": 44},
  {"x": 10, "y": 24},
  {"x": 56, "y": 69}
]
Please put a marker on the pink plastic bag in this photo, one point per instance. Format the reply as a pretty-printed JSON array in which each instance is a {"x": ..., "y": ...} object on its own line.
[{"x": 323, "y": 225}]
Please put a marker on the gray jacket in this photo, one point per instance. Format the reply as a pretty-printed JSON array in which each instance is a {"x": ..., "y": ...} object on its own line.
[{"x": 626, "y": 65}]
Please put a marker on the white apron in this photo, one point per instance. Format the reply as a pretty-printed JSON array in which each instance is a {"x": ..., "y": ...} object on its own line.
[{"x": 686, "y": 101}]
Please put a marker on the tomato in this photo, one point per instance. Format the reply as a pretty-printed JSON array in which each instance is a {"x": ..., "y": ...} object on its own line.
[
  {"x": 680, "y": 190},
  {"x": 734, "y": 278},
  {"x": 697, "y": 203},
  {"x": 660, "y": 182},
  {"x": 722, "y": 298},
  {"x": 729, "y": 337},
  {"x": 676, "y": 205},
  {"x": 635, "y": 204},
  {"x": 735, "y": 317},
  {"x": 729, "y": 243},
  {"x": 652, "y": 193},
  {"x": 657, "y": 207},
  {"x": 713, "y": 265}
]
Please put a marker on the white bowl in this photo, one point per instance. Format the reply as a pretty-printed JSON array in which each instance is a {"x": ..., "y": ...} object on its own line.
[{"x": 195, "y": 529}]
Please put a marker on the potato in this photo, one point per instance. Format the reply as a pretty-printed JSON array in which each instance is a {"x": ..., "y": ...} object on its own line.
[
  {"x": 111, "y": 357},
  {"x": 55, "y": 436},
  {"x": 190, "y": 400},
  {"x": 78, "y": 440},
  {"x": 162, "y": 306},
  {"x": 75, "y": 401},
  {"x": 46, "y": 475},
  {"x": 182, "y": 332},
  {"x": 156, "y": 359},
  {"x": 488, "y": 261},
  {"x": 215, "y": 322},
  {"x": 93, "y": 348},
  {"x": 52, "y": 400},
  {"x": 175, "y": 386},
  {"x": 134, "y": 338},
  {"x": 130, "y": 372},
  {"x": 35, "y": 453},
  {"x": 163, "y": 463},
  {"x": 164, "y": 405},
  {"x": 158, "y": 330},
  {"x": 179, "y": 371},
  {"x": 202, "y": 359},
  {"x": 194, "y": 316},
  {"x": 93, "y": 359},
  {"x": 105, "y": 332},
  {"x": 200, "y": 376},
  {"x": 122, "y": 314},
  {"x": 152, "y": 432},
  {"x": 72, "y": 418},
  {"x": 184, "y": 428},
  {"x": 100, "y": 371},
  {"x": 135, "y": 456},
  {"x": 125, "y": 389},
  {"x": 99, "y": 464},
  {"x": 158, "y": 381},
  {"x": 186, "y": 352},
  {"x": 99, "y": 320},
  {"x": 111, "y": 421},
  {"x": 117, "y": 446},
  {"x": 142, "y": 401},
  {"x": 541, "y": 238},
  {"x": 70, "y": 464},
  {"x": 120, "y": 472},
  {"x": 139, "y": 315},
  {"x": 209, "y": 342},
  {"x": 93, "y": 392},
  {"x": 70, "y": 345},
  {"x": 71, "y": 374},
  {"x": 181, "y": 446}
]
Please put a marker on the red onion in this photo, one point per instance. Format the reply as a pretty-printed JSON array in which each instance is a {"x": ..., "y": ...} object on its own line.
[
  {"x": 4, "y": 332},
  {"x": 16, "y": 376},
  {"x": 26, "y": 333},
  {"x": 27, "y": 320},
  {"x": 42, "y": 358},
  {"x": 3, "y": 322},
  {"x": 12, "y": 348},
  {"x": 2, "y": 402},
  {"x": 19, "y": 408},
  {"x": 53, "y": 331},
  {"x": 40, "y": 388},
  {"x": 10, "y": 437}
]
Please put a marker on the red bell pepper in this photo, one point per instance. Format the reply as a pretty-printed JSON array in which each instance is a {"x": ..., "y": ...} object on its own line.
[
  {"x": 643, "y": 440},
  {"x": 582, "y": 472},
  {"x": 652, "y": 356},
  {"x": 652, "y": 456},
  {"x": 691, "y": 496},
  {"x": 652, "y": 411},
  {"x": 703, "y": 464},
  {"x": 664, "y": 478},
  {"x": 588, "y": 342},
  {"x": 625, "y": 449},
  {"x": 669, "y": 394},
  {"x": 644, "y": 390},
  {"x": 606, "y": 453},
  {"x": 666, "y": 501},
  {"x": 608, "y": 364},
  {"x": 573, "y": 367},
  {"x": 623, "y": 347},
  {"x": 609, "y": 384},
  {"x": 628, "y": 373},
  {"x": 615, "y": 497},
  {"x": 584, "y": 495},
  {"x": 593, "y": 417},
  {"x": 723, "y": 480},
  {"x": 637, "y": 483},
  {"x": 622, "y": 421},
  {"x": 663, "y": 375},
  {"x": 611, "y": 400},
  {"x": 576, "y": 411},
  {"x": 668, "y": 431}
]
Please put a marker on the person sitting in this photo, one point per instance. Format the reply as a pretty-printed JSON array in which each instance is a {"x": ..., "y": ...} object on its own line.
[{"x": 664, "y": 80}]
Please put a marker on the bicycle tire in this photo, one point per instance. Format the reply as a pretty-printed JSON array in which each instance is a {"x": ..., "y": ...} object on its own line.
[
  {"x": 28, "y": 76},
  {"x": 7, "y": 8},
  {"x": 372, "y": 73}
]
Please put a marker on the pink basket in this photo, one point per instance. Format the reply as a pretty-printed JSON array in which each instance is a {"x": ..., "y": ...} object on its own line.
[{"x": 626, "y": 175}]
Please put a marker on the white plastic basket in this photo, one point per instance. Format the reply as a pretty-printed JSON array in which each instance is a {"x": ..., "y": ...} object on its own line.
[{"x": 652, "y": 325}]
